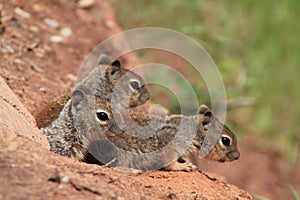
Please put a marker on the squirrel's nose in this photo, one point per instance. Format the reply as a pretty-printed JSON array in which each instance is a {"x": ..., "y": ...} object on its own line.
[
  {"x": 233, "y": 155},
  {"x": 236, "y": 155}
]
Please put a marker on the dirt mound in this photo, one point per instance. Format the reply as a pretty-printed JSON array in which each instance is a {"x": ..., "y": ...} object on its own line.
[
  {"x": 39, "y": 61},
  {"x": 29, "y": 171}
]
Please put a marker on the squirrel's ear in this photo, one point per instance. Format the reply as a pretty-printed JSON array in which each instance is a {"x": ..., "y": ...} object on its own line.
[
  {"x": 203, "y": 109},
  {"x": 205, "y": 114},
  {"x": 114, "y": 71},
  {"x": 104, "y": 60},
  {"x": 77, "y": 98},
  {"x": 116, "y": 64}
]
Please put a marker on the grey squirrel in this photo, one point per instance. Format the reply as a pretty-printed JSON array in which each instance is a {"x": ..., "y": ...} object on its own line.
[
  {"x": 172, "y": 142},
  {"x": 102, "y": 80}
]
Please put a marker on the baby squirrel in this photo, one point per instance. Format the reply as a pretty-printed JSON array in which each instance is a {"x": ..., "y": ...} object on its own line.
[
  {"x": 102, "y": 79},
  {"x": 102, "y": 82},
  {"x": 171, "y": 142},
  {"x": 88, "y": 126}
]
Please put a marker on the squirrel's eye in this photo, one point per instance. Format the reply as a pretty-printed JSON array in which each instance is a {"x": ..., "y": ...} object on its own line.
[
  {"x": 134, "y": 84},
  {"x": 102, "y": 116},
  {"x": 226, "y": 141}
]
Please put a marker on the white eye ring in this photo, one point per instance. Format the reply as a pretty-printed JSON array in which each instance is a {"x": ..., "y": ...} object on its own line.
[
  {"x": 225, "y": 141},
  {"x": 134, "y": 84},
  {"x": 102, "y": 116}
]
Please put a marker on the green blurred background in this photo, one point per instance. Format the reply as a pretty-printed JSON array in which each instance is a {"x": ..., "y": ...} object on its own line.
[{"x": 256, "y": 46}]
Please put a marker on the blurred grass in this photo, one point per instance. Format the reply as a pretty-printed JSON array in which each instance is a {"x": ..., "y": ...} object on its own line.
[
  {"x": 294, "y": 192},
  {"x": 258, "y": 40}
]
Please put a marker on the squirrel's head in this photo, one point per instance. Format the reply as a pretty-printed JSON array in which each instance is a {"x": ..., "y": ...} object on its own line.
[
  {"x": 89, "y": 112},
  {"x": 226, "y": 148},
  {"x": 127, "y": 86},
  {"x": 93, "y": 119}
]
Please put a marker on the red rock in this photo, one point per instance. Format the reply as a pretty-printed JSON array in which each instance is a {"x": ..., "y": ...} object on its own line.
[{"x": 15, "y": 119}]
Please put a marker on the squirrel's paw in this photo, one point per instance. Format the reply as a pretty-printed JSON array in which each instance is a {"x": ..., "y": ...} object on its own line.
[{"x": 179, "y": 166}]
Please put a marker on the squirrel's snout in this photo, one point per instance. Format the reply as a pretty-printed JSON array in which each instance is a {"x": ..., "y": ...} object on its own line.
[
  {"x": 233, "y": 155},
  {"x": 237, "y": 155}
]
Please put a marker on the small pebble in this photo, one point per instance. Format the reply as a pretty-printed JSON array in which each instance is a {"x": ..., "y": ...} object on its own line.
[
  {"x": 56, "y": 38},
  {"x": 65, "y": 179},
  {"x": 52, "y": 23},
  {"x": 9, "y": 49},
  {"x": 39, "y": 52},
  {"x": 85, "y": 3},
  {"x": 21, "y": 12},
  {"x": 34, "y": 29},
  {"x": 60, "y": 186},
  {"x": 42, "y": 89},
  {"x": 36, "y": 68},
  {"x": 66, "y": 32}
]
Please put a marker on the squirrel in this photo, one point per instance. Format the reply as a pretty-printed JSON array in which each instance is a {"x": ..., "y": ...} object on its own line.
[
  {"x": 102, "y": 79},
  {"x": 107, "y": 79},
  {"x": 91, "y": 127}
]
